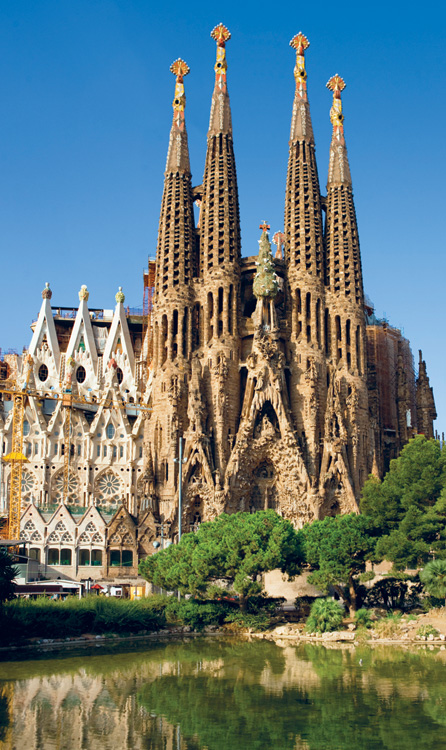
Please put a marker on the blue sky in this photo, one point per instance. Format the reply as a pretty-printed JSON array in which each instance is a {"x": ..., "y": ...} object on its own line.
[{"x": 85, "y": 101}]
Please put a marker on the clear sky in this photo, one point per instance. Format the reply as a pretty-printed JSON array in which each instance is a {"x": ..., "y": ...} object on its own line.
[{"x": 85, "y": 102}]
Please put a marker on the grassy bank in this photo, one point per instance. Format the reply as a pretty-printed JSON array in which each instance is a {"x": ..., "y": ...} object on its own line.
[{"x": 43, "y": 618}]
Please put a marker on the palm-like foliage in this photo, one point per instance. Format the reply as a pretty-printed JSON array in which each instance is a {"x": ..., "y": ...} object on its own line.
[
  {"x": 325, "y": 615},
  {"x": 433, "y": 577}
]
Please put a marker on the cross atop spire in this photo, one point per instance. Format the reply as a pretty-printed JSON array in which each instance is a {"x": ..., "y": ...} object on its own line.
[
  {"x": 337, "y": 84},
  {"x": 264, "y": 226},
  {"x": 221, "y": 34},
  {"x": 300, "y": 43}
]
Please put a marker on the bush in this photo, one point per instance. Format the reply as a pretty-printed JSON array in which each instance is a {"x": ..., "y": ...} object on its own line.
[
  {"x": 244, "y": 620},
  {"x": 433, "y": 577},
  {"x": 389, "y": 627},
  {"x": 424, "y": 631},
  {"x": 44, "y": 618},
  {"x": 363, "y": 618},
  {"x": 325, "y": 615},
  {"x": 394, "y": 593},
  {"x": 195, "y": 613}
]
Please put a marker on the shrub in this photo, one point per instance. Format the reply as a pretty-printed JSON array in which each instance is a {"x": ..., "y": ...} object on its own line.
[
  {"x": 424, "y": 631},
  {"x": 363, "y": 618},
  {"x": 195, "y": 613},
  {"x": 394, "y": 593},
  {"x": 325, "y": 615},
  {"x": 44, "y": 618},
  {"x": 433, "y": 577},
  {"x": 256, "y": 622},
  {"x": 389, "y": 627}
]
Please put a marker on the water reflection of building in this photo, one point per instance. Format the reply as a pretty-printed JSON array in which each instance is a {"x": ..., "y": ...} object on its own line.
[
  {"x": 300, "y": 696},
  {"x": 78, "y": 711}
]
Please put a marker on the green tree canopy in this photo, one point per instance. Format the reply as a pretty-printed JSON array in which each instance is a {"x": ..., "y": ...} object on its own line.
[
  {"x": 408, "y": 507},
  {"x": 238, "y": 547},
  {"x": 8, "y": 572},
  {"x": 337, "y": 549}
]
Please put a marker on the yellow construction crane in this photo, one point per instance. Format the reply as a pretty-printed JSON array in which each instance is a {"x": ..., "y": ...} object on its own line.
[{"x": 16, "y": 458}]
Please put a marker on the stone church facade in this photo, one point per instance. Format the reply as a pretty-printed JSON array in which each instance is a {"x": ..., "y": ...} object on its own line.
[
  {"x": 261, "y": 363},
  {"x": 284, "y": 388}
]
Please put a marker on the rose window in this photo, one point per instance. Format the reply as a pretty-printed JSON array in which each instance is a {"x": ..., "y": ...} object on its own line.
[
  {"x": 73, "y": 495},
  {"x": 28, "y": 486},
  {"x": 108, "y": 489}
]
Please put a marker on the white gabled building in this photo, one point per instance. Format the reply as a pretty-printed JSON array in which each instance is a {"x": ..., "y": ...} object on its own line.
[{"x": 94, "y": 354}]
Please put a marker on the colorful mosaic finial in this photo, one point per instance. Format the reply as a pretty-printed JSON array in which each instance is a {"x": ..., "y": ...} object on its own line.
[
  {"x": 180, "y": 69},
  {"x": 337, "y": 84},
  {"x": 300, "y": 43},
  {"x": 264, "y": 226},
  {"x": 221, "y": 35}
]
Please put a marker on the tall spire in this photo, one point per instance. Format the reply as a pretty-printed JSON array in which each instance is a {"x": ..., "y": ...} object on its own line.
[
  {"x": 301, "y": 127},
  {"x": 339, "y": 170},
  {"x": 220, "y": 223},
  {"x": 343, "y": 260},
  {"x": 176, "y": 227},
  {"x": 178, "y": 153},
  {"x": 220, "y": 120},
  {"x": 303, "y": 217},
  {"x": 426, "y": 411}
]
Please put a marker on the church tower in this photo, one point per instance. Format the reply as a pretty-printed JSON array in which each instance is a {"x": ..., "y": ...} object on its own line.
[
  {"x": 216, "y": 311},
  {"x": 304, "y": 256},
  {"x": 172, "y": 302},
  {"x": 346, "y": 421}
]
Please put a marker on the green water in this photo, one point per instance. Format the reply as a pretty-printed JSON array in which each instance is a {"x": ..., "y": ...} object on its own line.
[{"x": 219, "y": 694}]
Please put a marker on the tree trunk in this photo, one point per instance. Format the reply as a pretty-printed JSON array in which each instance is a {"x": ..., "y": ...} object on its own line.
[
  {"x": 243, "y": 600},
  {"x": 352, "y": 594}
]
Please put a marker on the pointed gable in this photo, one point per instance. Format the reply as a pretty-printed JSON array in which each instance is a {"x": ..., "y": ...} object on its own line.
[
  {"x": 91, "y": 528},
  {"x": 45, "y": 333},
  {"x": 82, "y": 346},
  {"x": 32, "y": 525},
  {"x": 121, "y": 529},
  {"x": 61, "y": 527},
  {"x": 119, "y": 344}
]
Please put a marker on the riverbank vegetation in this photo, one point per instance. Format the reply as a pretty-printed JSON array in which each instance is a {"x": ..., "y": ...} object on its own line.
[{"x": 219, "y": 569}]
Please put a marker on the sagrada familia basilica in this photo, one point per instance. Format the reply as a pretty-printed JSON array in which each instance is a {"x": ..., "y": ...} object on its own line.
[{"x": 272, "y": 370}]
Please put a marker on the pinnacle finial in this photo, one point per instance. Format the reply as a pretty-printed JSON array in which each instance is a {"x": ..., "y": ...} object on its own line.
[
  {"x": 265, "y": 282},
  {"x": 221, "y": 34},
  {"x": 180, "y": 69},
  {"x": 300, "y": 43},
  {"x": 84, "y": 293},
  {"x": 47, "y": 293},
  {"x": 337, "y": 84},
  {"x": 279, "y": 239},
  {"x": 120, "y": 296}
]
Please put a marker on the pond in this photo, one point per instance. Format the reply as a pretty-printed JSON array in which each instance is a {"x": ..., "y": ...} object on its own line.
[{"x": 215, "y": 694}]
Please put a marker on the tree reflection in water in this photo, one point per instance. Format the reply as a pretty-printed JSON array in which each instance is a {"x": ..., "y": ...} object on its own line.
[{"x": 215, "y": 694}]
